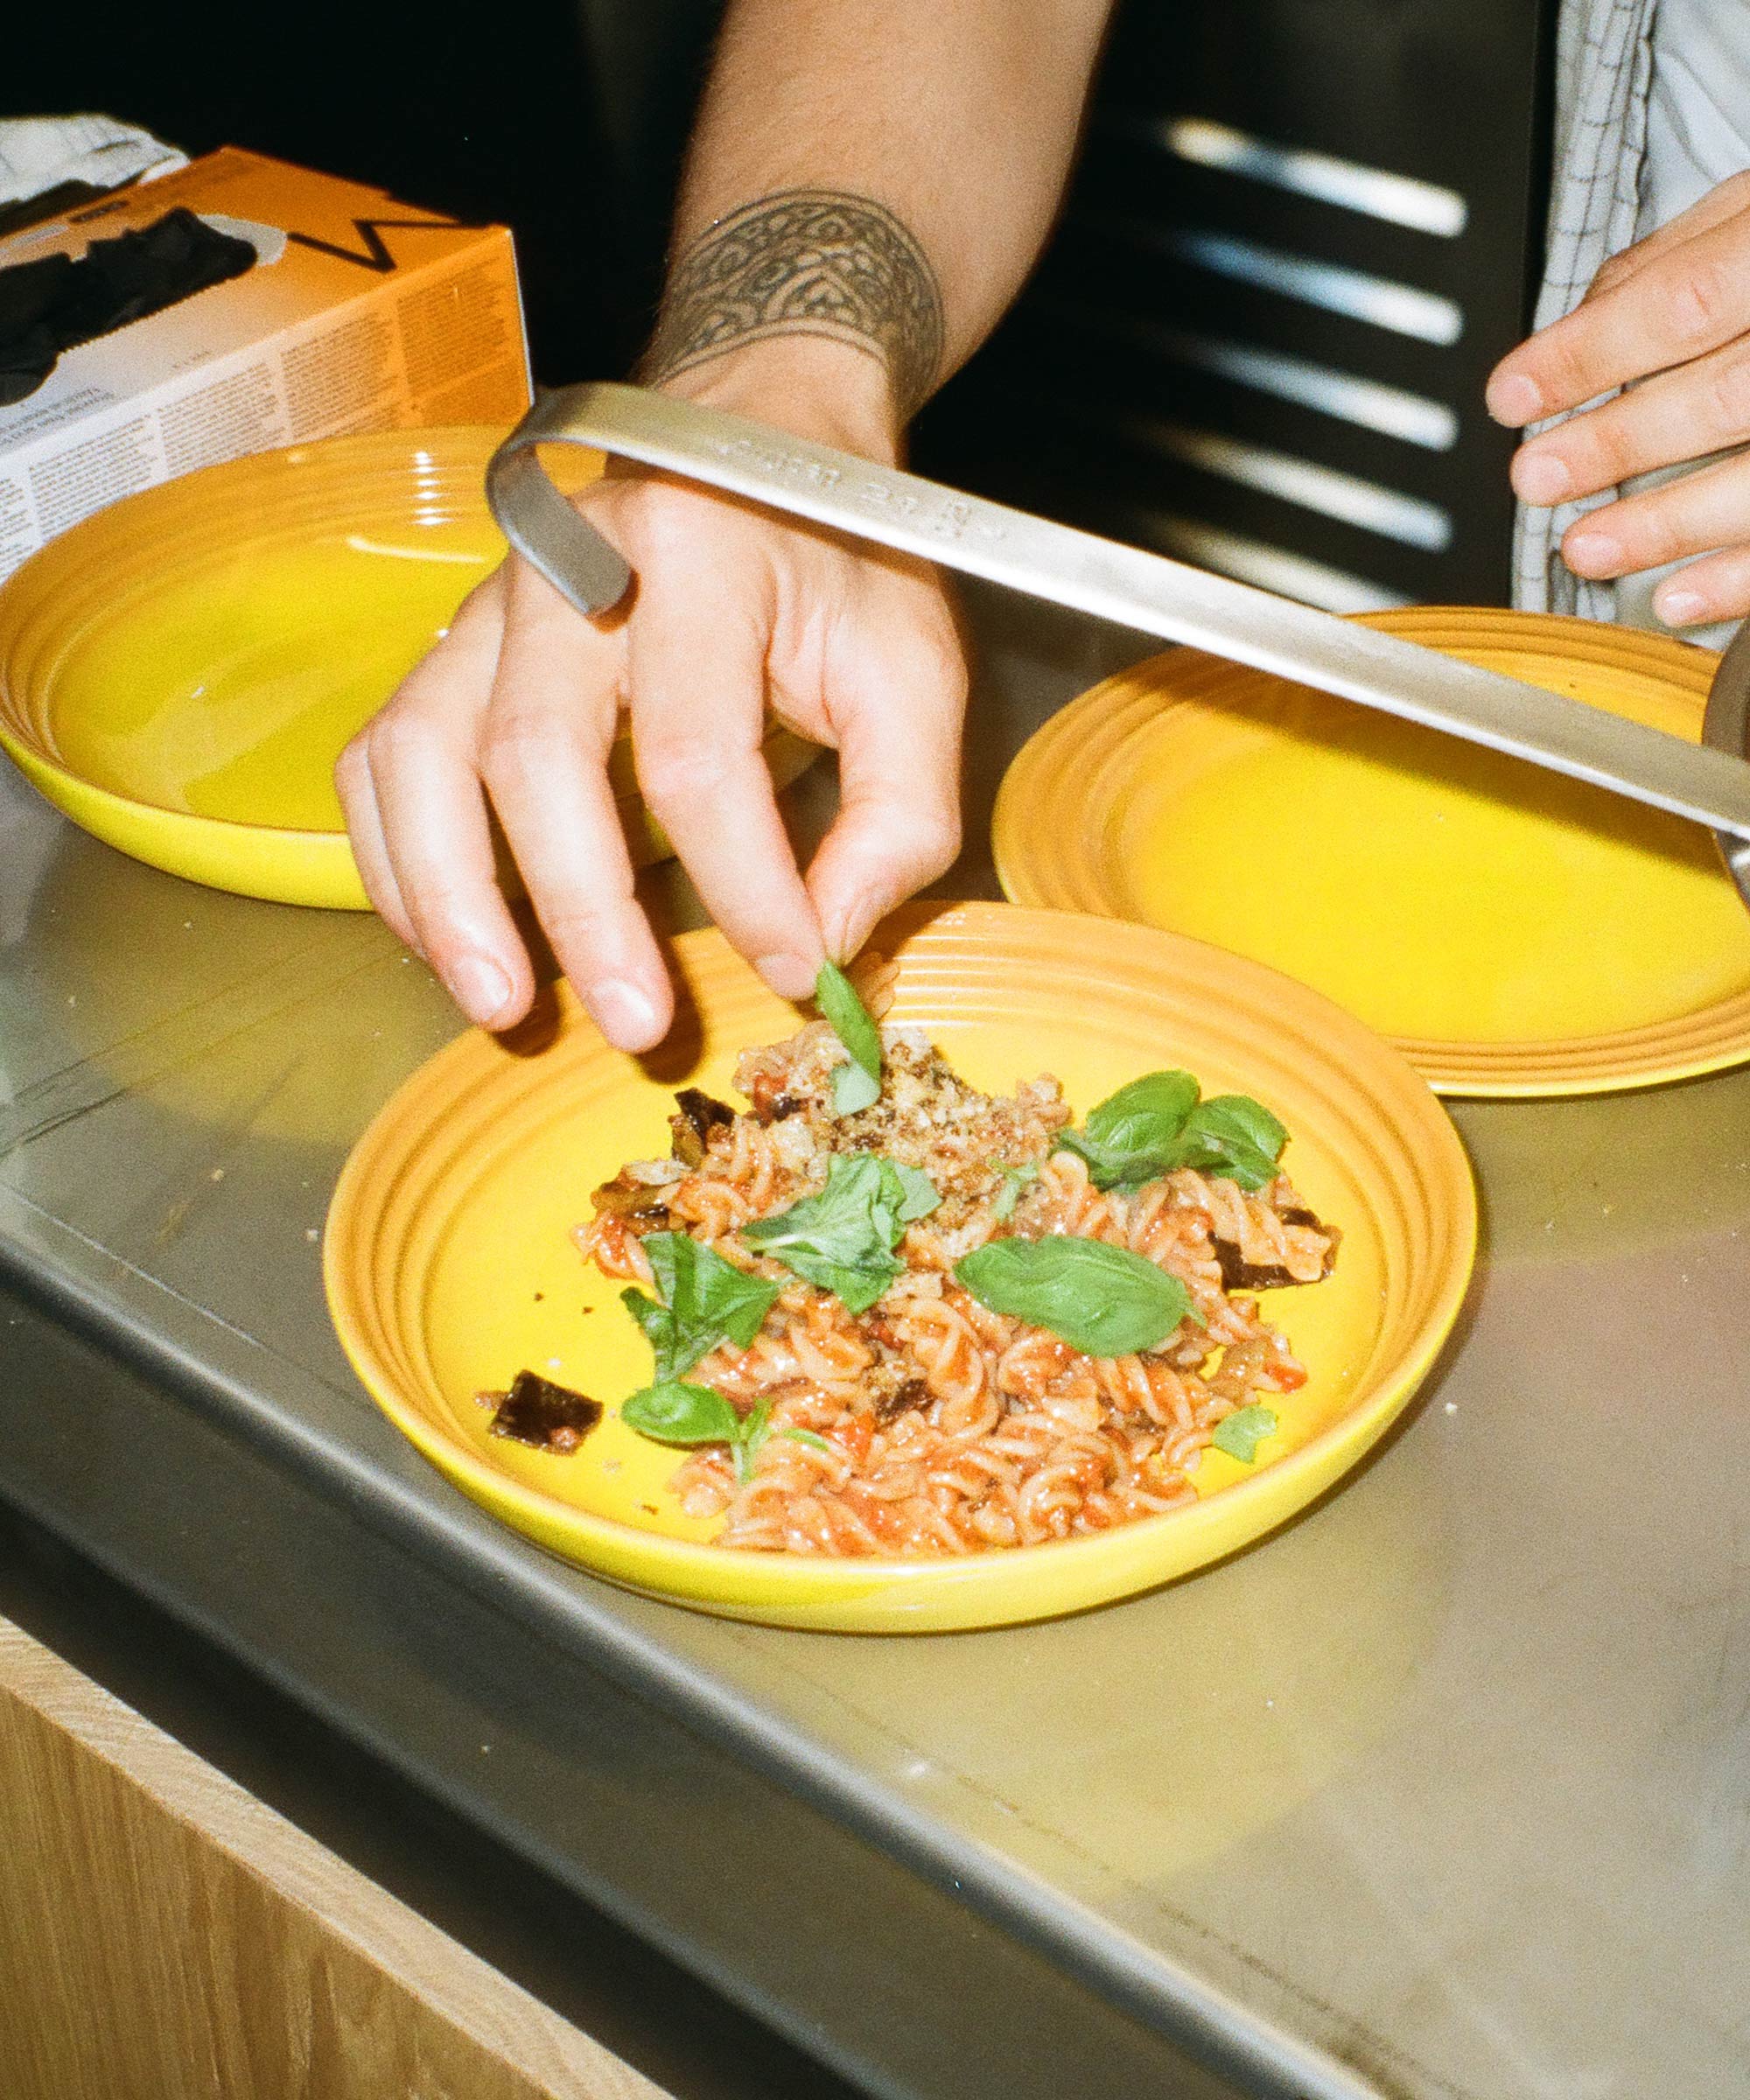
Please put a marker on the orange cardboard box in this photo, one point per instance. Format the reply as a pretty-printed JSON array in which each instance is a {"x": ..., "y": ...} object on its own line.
[{"x": 359, "y": 313}]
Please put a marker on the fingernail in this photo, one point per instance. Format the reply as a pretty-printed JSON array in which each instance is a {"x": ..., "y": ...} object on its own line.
[
  {"x": 857, "y": 927},
  {"x": 1541, "y": 477},
  {"x": 478, "y": 987},
  {"x": 1593, "y": 553},
  {"x": 790, "y": 977},
  {"x": 1680, "y": 608},
  {"x": 624, "y": 1014},
  {"x": 1512, "y": 399}
]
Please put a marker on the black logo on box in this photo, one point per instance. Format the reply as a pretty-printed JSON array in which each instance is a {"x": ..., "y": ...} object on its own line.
[{"x": 374, "y": 254}]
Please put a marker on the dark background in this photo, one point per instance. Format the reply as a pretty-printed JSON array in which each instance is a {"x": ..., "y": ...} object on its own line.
[
  {"x": 563, "y": 118},
  {"x": 567, "y": 119}
]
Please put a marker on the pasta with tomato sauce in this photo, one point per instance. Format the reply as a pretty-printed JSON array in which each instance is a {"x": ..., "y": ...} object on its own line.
[{"x": 926, "y": 1421}]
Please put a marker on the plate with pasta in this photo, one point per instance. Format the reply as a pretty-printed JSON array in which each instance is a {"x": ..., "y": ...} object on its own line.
[{"x": 1046, "y": 1260}]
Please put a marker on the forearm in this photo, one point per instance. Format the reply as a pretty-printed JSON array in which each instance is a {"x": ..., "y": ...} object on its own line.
[
  {"x": 932, "y": 136},
  {"x": 942, "y": 129}
]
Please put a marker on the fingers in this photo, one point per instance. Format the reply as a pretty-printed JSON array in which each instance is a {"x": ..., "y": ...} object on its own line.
[
  {"x": 519, "y": 701},
  {"x": 370, "y": 850},
  {"x": 1702, "y": 512},
  {"x": 1698, "y": 409},
  {"x": 544, "y": 753},
  {"x": 1684, "y": 302},
  {"x": 897, "y": 712},
  {"x": 516, "y": 713},
  {"x": 698, "y": 670},
  {"x": 1716, "y": 588},
  {"x": 1720, "y": 202},
  {"x": 419, "y": 823}
]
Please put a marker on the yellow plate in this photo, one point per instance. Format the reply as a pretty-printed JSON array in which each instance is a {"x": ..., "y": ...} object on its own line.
[
  {"x": 179, "y": 672},
  {"x": 448, "y": 1265},
  {"x": 1514, "y": 933}
]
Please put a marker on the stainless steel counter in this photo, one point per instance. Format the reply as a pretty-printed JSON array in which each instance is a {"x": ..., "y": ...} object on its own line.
[{"x": 1442, "y": 1790}]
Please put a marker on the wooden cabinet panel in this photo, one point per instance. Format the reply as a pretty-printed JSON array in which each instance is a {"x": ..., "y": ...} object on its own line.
[{"x": 164, "y": 1936}]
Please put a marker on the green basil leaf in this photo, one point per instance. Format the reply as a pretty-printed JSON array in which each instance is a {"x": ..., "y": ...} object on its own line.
[
  {"x": 808, "y": 1437},
  {"x": 1145, "y": 1113},
  {"x": 1157, "y": 1124},
  {"x": 856, "y": 1284},
  {"x": 1232, "y": 1136},
  {"x": 673, "y": 1413},
  {"x": 842, "y": 1239},
  {"x": 742, "y": 1306},
  {"x": 1245, "y": 1117},
  {"x": 653, "y": 1318},
  {"x": 702, "y": 1300},
  {"x": 852, "y": 1089},
  {"x": 665, "y": 1258},
  {"x": 755, "y": 1430},
  {"x": 1101, "y": 1299},
  {"x": 1239, "y": 1433},
  {"x": 1130, "y": 1130},
  {"x": 914, "y": 1195},
  {"x": 849, "y": 1019},
  {"x": 1227, "y": 1162},
  {"x": 1015, "y": 1178},
  {"x": 840, "y": 1219},
  {"x": 1104, "y": 1171}
]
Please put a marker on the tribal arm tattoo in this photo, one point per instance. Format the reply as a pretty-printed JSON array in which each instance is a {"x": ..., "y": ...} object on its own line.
[{"x": 805, "y": 262}]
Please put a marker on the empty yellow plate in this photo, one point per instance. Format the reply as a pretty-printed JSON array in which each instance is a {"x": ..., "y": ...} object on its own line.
[
  {"x": 450, "y": 1266},
  {"x": 179, "y": 672},
  {"x": 1513, "y": 932}
]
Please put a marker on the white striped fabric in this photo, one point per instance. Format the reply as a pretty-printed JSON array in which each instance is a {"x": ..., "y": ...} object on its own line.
[{"x": 1604, "y": 70}]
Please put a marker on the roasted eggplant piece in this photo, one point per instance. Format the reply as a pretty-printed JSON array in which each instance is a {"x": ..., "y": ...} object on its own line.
[
  {"x": 902, "y": 1400},
  {"x": 1238, "y": 1274},
  {"x": 700, "y": 1113},
  {"x": 644, "y": 1205},
  {"x": 544, "y": 1416}
]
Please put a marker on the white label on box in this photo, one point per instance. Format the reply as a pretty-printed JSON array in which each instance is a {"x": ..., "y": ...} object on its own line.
[
  {"x": 241, "y": 412},
  {"x": 304, "y": 351},
  {"x": 24, "y": 424},
  {"x": 344, "y": 378},
  {"x": 18, "y": 533},
  {"x": 71, "y": 484}
]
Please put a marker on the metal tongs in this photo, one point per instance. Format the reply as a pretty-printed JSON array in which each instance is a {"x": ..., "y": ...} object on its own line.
[{"x": 1709, "y": 783}]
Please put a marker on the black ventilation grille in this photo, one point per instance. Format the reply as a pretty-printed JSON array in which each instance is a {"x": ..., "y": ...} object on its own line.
[{"x": 1301, "y": 234}]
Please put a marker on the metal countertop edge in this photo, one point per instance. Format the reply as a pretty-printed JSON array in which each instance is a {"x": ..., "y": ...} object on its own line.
[
  {"x": 421, "y": 1773},
  {"x": 1196, "y": 2015}
]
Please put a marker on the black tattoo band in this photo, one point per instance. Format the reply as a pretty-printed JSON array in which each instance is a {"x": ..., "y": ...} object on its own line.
[{"x": 805, "y": 262}]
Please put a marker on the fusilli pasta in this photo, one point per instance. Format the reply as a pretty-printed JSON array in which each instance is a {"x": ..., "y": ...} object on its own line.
[{"x": 934, "y": 1424}]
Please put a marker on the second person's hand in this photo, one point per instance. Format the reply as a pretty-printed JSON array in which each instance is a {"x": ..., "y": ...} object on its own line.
[
  {"x": 1669, "y": 321},
  {"x": 516, "y": 711}
]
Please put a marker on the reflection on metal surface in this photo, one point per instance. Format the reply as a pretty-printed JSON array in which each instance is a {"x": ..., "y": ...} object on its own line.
[
  {"x": 1303, "y": 481},
  {"x": 1310, "y": 1712},
  {"x": 149, "y": 967},
  {"x": 1572, "y": 1181},
  {"x": 1506, "y": 1670},
  {"x": 1726, "y": 726},
  {"x": 1257, "y": 562},
  {"x": 1403, "y": 199},
  {"x": 1394, "y": 411}
]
